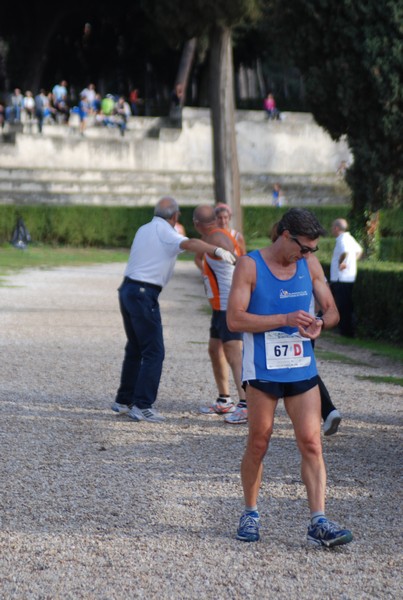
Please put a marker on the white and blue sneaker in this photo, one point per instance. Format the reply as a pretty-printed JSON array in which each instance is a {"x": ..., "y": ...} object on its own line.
[
  {"x": 120, "y": 409},
  {"x": 328, "y": 534},
  {"x": 145, "y": 414},
  {"x": 248, "y": 530}
]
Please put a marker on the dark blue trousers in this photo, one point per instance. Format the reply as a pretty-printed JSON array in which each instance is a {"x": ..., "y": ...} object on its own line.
[
  {"x": 144, "y": 351},
  {"x": 343, "y": 296}
]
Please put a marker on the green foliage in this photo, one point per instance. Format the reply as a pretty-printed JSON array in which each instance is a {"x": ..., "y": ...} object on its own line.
[
  {"x": 351, "y": 57},
  {"x": 378, "y": 300},
  {"x": 391, "y": 222},
  {"x": 391, "y": 249},
  {"x": 259, "y": 220},
  {"x": 180, "y": 20},
  {"x": 112, "y": 227}
]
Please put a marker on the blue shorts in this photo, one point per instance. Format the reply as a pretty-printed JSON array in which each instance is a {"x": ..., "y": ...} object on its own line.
[
  {"x": 282, "y": 390},
  {"x": 219, "y": 328}
]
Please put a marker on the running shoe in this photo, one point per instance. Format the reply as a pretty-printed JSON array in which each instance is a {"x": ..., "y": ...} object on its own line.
[
  {"x": 221, "y": 407},
  {"x": 238, "y": 417},
  {"x": 145, "y": 414},
  {"x": 328, "y": 534},
  {"x": 120, "y": 409},
  {"x": 248, "y": 530},
  {"x": 332, "y": 423}
]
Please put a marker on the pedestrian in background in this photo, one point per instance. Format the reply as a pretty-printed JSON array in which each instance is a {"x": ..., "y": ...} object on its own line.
[
  {"x": 153, "y": 254},
  {"x": 343, "y": 272},
  {"x": 225, "y": 347}
]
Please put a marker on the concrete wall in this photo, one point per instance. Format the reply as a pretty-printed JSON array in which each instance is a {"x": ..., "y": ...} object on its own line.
[{"x": 294, "y": 145}]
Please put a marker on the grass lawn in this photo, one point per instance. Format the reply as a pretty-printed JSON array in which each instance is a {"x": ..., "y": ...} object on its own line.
[{"x": 39, "y": 256}]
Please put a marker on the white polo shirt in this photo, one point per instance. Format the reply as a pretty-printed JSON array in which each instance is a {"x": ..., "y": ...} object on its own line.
[
  {"x": 153, "y": 252},
  {"x": 345, "y": 244}
]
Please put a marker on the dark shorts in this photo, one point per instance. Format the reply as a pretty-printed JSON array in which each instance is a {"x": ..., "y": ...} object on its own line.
[
  {"x": 219, "y": 329},
  {"x": 282, "y": 390}
]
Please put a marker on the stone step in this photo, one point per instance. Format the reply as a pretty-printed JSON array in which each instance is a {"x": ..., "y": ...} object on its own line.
[{"x": 101, "y": 176}]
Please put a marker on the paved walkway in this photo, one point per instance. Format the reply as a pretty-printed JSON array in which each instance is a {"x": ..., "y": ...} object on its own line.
[{"x": 94, "y": 506}]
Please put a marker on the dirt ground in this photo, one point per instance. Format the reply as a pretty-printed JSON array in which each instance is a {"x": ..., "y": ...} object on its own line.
[{"x": 95, "y": 506}]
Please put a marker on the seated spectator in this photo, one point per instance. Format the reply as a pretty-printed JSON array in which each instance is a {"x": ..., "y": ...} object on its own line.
[
  {"x": 15, "y": 106},
  {"x": 96, "y": 105},
  {"x": 90, "y": 94},
  {"x": 107, "y": 108},
  {"x": 60, "y": 101},
  {"x": 29, "y": 105},
  {"x": 270, "y": 107},
  {"x": 122, "y": 112},
  {"x": 49, "y": 111}
]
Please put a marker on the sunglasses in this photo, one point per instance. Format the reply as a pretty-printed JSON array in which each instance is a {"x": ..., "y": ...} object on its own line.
[{"x": 304, "y": 249}]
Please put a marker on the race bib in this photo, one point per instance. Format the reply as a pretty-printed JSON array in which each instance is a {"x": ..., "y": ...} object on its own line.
[{"x": 285, "y": 351}]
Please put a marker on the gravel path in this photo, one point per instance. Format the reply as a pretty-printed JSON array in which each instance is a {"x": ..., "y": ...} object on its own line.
[{"x": 94, "y": 506}]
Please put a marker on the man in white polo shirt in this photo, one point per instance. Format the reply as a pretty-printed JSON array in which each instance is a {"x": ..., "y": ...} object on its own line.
[
  {"x": 343, "y": 272},
  {"x": 150, "y": 267}
]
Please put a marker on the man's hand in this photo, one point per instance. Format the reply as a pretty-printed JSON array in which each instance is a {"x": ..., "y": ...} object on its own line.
[
  {"x": 313, "y": 330},
  {"x": 225, "y": 255},
  {"x": 299, "y": 318}
]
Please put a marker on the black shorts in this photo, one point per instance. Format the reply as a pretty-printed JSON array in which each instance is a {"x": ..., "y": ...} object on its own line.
[
  {"x": 219, "y": 328},
  {"x": 282, "y": 390}
]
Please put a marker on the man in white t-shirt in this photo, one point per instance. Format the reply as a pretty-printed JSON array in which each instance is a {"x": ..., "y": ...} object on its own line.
[
  {"x": 343, "y": 272},
  {"x": 150, "y": 267}
]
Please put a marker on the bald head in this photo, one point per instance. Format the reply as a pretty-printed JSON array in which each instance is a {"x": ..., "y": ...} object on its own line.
[
  {"x": 339, "y": 226},
  {"x": 166, "y": 208},
  {"x": 204, "y": 215}
]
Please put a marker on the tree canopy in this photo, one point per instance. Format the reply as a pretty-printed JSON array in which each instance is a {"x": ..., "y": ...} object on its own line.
[{"x": 351, "y": 57}]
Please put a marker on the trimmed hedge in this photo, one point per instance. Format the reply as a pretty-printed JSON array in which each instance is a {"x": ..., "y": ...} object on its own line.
[
  {"x": 378, "y": 291},
  {"x": 378, "y": 301},
  {"x": 112, "y": 227},
  {"x": 116, "y": 226}
]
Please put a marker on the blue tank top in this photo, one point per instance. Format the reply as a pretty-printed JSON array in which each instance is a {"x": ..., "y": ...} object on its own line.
[{"x": 281, "y": 355}]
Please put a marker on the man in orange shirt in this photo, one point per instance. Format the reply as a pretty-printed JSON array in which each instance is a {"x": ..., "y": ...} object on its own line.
[{"x": 225, "y": 347}]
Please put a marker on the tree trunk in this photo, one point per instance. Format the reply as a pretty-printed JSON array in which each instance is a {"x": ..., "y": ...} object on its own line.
[
  {"x": 225, "y": 155},
  {"x": 181, "y": 82},
  {"x": 185, "y": 66}
]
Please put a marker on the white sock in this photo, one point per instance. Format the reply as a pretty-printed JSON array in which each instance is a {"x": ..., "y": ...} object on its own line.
[{"x": 315, "y": 516}]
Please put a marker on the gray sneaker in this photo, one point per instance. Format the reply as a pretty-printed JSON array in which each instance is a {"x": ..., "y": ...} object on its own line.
[
  {"x": 145, "y": 414},
  {"x": 331, "y": 425},
  {"x": 120, "y": 409}
]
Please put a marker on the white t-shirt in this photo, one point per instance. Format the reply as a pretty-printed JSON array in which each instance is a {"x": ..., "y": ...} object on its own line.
[
  {"x": 153, "y": 253},
  {"x": 345, "y": 244}
]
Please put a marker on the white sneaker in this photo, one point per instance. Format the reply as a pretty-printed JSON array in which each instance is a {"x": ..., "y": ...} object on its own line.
[
  {"x": 145, "y": 414},
  {"x": 120, "y": 409},
  {"x": 238, "y": 417},
  {"x": 331, "y": 425},
  {"x": 221, "y": 407}
]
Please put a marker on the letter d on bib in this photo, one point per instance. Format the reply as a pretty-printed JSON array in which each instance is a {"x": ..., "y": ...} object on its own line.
[{"x": 297, "y": 349}]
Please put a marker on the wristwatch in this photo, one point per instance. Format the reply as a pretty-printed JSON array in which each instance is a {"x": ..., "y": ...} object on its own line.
[{"x": 321, "y": 319}]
